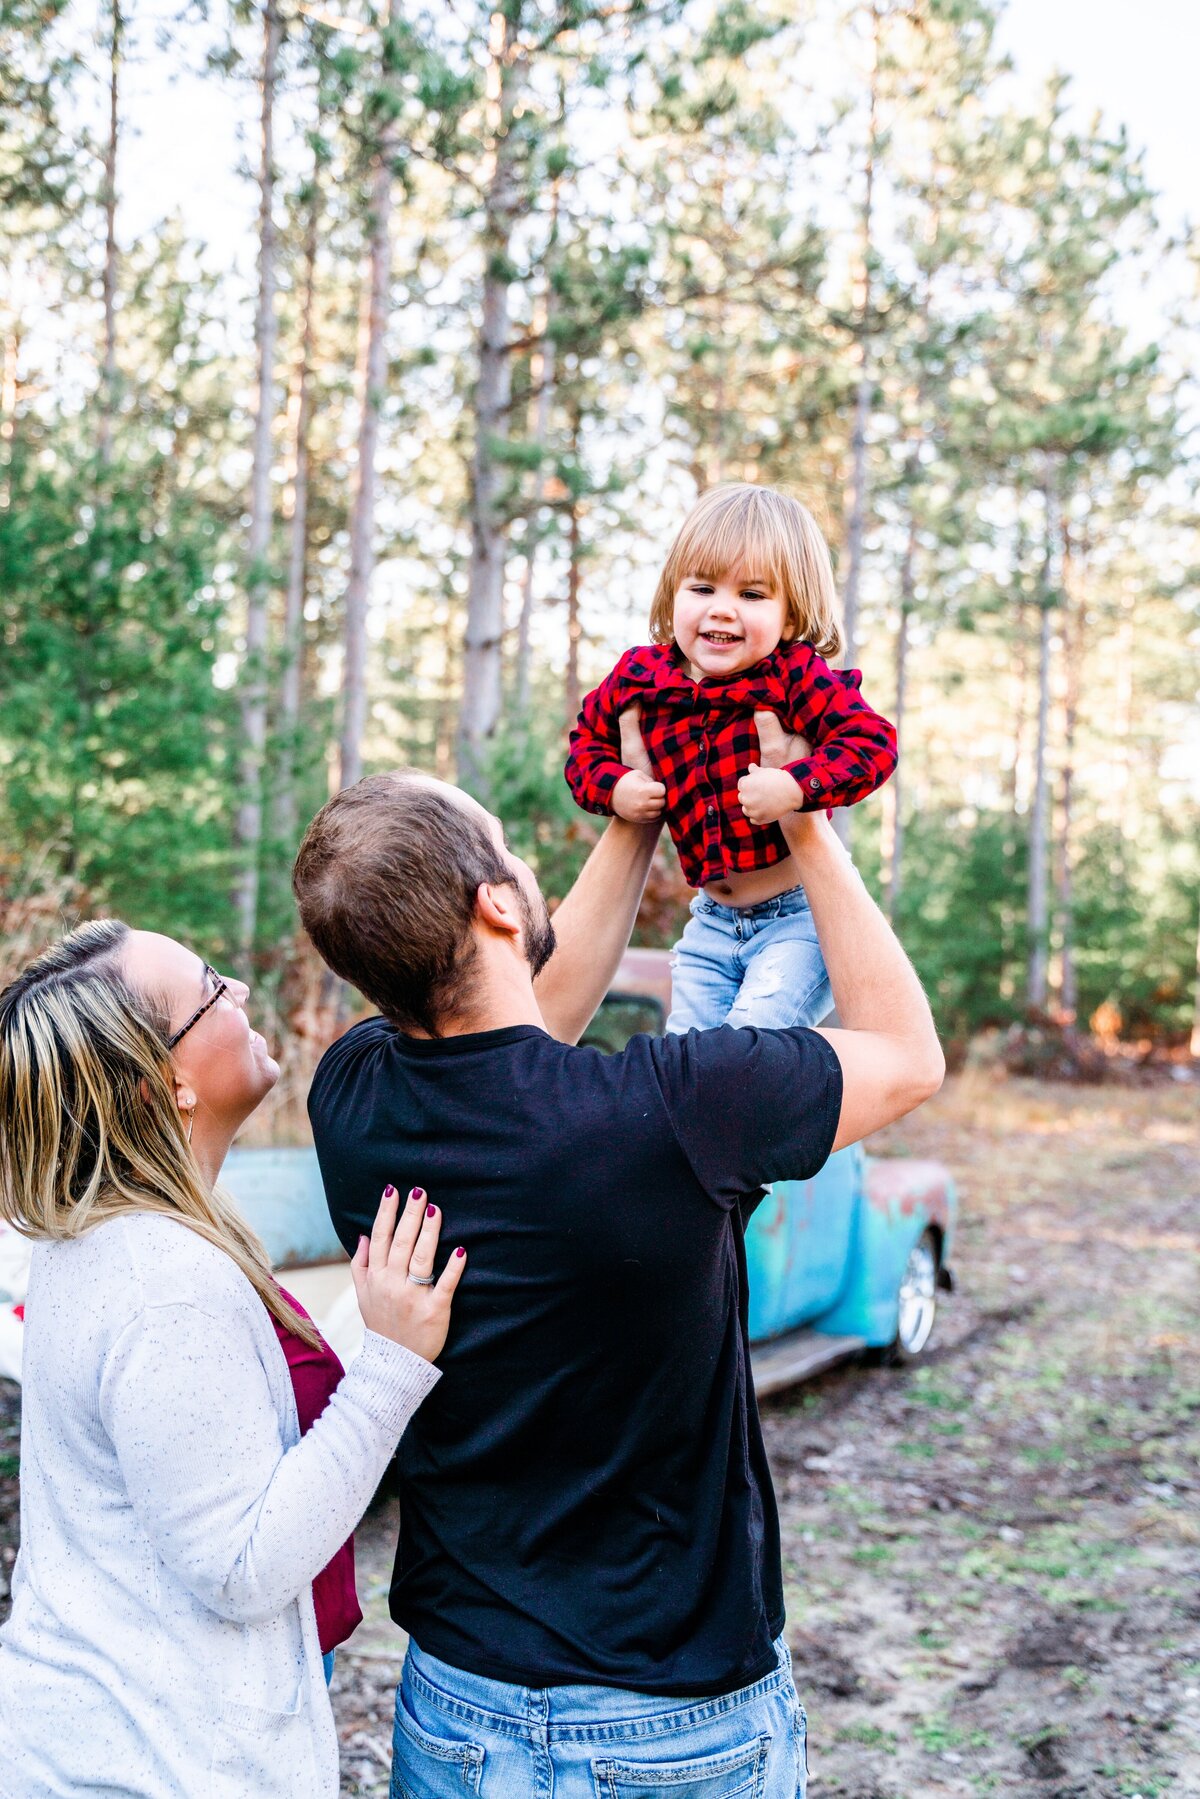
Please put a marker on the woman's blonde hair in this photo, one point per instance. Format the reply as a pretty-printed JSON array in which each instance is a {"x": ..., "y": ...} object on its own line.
[
  {"x": 765, "y": 534},
  {"x": 89, "y": 1124}
]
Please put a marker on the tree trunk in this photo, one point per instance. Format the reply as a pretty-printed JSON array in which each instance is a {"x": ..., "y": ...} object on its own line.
[
  {"x": 542, "y": 374},
  {"x": 1068, "y": 989},
  {"x": 291, "y": 679},
  {"x": 1020, "y": 693},
  {"x": 719, "y": 336},
  {"x": 893, "y": 858},
  {"x": 1072, "y": 655},
  {"x": 481, "y": 697},
  {"x": 445, "y": 718},
  {"x": 572, "y": 695},
  {"x": 372, "y": 383},
  {"x": 100, "y": 563},
  {"x": 10, "y": 383},
  {"x": 856, "y": 512},
  {"x": 10, "y": 400},
  {"x": 1124, "y": 659},
  {"x": 1038, "y": 894},
  {"x": 108, "y": 375},
  {"x": 248, "y": 828}
]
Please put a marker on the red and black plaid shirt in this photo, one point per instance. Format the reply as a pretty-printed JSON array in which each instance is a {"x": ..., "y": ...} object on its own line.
[{"x": 701, "y": 739}]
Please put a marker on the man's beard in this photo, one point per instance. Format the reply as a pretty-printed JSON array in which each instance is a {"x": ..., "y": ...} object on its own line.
[{"x": 539, "y": 932}]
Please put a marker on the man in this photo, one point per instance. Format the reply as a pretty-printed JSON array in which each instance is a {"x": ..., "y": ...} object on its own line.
[{"x": 589, "y": 1561}]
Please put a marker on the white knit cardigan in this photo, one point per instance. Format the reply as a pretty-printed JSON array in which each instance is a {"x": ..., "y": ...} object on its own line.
[{"x": 163, "y": 1639}]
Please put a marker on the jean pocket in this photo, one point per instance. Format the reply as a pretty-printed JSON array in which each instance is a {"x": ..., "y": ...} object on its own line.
[
  {"x": 734, "y": 1774},
  {"x": 428, "y": 1767}
]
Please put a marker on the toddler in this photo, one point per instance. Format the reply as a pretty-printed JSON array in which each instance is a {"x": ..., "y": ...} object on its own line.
[{"x": 743, "y": 618}]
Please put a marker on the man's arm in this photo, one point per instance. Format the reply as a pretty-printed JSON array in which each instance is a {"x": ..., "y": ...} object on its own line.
[
  {"x": 592, "y": 928},
  {"x": 888, "y": 1048}
]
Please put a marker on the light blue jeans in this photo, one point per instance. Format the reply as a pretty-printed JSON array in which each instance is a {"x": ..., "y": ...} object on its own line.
[
  {"x": 757, "y": 965},
  {"x": 458, "y": 1734}
]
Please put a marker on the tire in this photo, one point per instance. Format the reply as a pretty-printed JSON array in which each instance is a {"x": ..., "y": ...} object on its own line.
[{"x": 917, "y": 1300}]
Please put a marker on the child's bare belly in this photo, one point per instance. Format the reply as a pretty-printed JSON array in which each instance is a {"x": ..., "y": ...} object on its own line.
[{"x": 756, "y": 885}]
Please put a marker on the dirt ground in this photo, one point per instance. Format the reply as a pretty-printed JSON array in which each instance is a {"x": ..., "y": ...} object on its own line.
[{"x": 992, "y": 1556}]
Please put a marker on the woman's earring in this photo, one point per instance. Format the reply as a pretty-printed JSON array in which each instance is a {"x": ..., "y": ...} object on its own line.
[{"x": 191, "y": 1122}]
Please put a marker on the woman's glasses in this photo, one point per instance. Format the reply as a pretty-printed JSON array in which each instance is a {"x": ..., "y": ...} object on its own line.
[{"x": 219, "y": 988}]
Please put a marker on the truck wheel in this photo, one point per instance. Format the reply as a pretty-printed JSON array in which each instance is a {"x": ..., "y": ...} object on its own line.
[{"x": 918, "y": 1300}]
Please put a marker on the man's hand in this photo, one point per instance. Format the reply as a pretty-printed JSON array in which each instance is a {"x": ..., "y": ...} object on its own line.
[
  {"x": 764, "y": 796},
  {"x": 767, "y": 794},
  {"x": 775, "y": 745},
  {"x": 640, "y": 799},
  {"x": 637, "y": 796},
  {"x": 634, "y": 753}
]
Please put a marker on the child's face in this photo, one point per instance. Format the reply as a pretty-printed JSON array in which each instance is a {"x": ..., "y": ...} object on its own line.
[{"x": 726, "y": 623}]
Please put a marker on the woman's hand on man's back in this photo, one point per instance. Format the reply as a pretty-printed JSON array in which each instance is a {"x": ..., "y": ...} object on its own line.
[{"x": 393, "y": 1275}]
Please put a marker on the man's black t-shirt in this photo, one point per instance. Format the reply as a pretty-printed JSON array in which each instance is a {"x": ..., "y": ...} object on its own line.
[{"x": 585, "y": 1495}]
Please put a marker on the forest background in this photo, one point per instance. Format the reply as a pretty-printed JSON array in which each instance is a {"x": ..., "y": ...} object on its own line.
[{"x": 526, "y": 280}]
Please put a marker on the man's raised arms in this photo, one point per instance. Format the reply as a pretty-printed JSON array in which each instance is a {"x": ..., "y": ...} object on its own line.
[{"x": 593, "y": 926}]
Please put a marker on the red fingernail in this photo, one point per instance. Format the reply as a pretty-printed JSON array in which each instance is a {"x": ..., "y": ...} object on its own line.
[
  {"x": 430, "y": 1211},
  {"x": 389, "y": 1191},
  {"x": 417, "y": 1193},
  {"x": 460, "y": 1251}
]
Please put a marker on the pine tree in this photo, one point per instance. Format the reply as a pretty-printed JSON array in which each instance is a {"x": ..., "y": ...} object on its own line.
[
  {"x": 535, "y": 50},
  {"x": 736, "y": 267},
  {"x": 939, "y": 157},
  {"x": 114, "y": 737},
  {"x": 254, "y": 672},
  {"x": 308, "y": 215},
  {"x": 1058, "y": 369},
  {"x": 542, "y": 369}
]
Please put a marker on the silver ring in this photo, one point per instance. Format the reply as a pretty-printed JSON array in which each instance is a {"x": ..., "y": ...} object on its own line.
[{"x": 422, "y": 1280}]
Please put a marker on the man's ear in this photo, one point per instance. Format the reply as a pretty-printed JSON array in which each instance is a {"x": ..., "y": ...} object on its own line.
[{"x": 496, "y": 905}]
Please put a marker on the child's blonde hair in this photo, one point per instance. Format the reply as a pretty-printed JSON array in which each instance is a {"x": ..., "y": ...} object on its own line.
[{"x": 740, "y": 527}]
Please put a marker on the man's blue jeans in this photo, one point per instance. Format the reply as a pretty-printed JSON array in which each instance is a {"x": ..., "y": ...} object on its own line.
[
  {"x": 759, "y": 965},
  {"x": 459, "y": 1734}
]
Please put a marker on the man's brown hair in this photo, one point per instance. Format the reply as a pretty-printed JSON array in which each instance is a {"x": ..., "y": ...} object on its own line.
[{"x": 386, "y": 880}]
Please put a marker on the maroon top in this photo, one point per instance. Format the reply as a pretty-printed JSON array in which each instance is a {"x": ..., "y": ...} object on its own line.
[
  {"x": 700, "y": 738},
  {"x": 315, "y": 1373}
]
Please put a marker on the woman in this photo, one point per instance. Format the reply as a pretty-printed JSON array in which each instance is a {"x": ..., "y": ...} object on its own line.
[{"x": 163, "y": 1637}]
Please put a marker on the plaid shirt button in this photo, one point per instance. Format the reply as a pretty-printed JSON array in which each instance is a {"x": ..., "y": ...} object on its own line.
[{"x": 815, "y": 785}]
